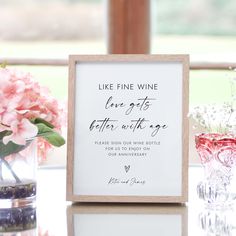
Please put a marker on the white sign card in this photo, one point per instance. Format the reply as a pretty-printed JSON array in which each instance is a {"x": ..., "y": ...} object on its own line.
[{"x": 128, "y": 130}]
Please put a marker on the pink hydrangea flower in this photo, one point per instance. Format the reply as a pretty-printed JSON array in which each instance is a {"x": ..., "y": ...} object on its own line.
[
  {"x": 22, "y": 100},
  {"x": 21, "y": 131}
]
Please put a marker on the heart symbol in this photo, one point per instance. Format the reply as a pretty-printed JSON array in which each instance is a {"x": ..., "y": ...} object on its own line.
[{"x": 127, "y": 168}]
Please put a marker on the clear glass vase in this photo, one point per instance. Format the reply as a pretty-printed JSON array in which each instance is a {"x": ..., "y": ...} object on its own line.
[
  {"x": 218, "y": 156},
  {"x": 18, "y": 176}
]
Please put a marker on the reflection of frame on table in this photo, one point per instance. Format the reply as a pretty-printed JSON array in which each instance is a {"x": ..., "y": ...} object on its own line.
[
  {"x": 71, "y": 196},
  {"x": 135, "y": 209}
]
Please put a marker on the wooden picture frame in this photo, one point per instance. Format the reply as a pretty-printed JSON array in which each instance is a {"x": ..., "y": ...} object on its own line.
[
  {"x": 108, "y": 96},
  {"x": 154, "y": 219}
]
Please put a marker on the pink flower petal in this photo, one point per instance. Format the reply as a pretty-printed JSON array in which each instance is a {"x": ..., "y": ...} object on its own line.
[
  {"x": 28, "y": 130},
  {"x": 15, "y": 138}
]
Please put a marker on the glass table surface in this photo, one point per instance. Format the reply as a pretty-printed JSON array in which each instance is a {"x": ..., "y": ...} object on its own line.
[{"x": 56, "y": 216}]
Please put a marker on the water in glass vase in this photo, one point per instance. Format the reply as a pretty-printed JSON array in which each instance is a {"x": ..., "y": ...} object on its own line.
[{"x": 18, "y": 176}]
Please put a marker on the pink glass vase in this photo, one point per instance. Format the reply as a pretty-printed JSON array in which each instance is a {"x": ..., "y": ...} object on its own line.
[{"x": 218, "y": 156}]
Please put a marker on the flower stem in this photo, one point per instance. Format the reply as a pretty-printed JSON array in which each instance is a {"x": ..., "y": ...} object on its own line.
[
  {"x": 12, "y": 172},
  {"x": 1, "y": 177}
]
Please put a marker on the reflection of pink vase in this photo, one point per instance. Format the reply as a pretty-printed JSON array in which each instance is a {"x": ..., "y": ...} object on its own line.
[
  {"x": 217, "y": 222},
  {"x": 218, "y": 156}
]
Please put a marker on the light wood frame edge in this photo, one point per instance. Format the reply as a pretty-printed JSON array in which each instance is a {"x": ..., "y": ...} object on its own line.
[
  {"x": 185, "y": 127},
  {"x": 73, "y": 59},
  {"x": 70, "y": 132}
]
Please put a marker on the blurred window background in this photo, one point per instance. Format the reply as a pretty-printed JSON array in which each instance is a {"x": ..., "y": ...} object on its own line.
[
  {"x": 52, "y": 28},
  {"x": 205, "y": 29}
]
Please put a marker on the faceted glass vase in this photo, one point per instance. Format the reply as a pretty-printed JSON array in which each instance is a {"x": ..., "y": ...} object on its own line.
[
  {"x": 18, "y": 176},
  {"x": 218, "y": 157}
]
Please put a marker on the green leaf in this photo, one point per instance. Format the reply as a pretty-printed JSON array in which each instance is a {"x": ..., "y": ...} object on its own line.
[
  {"x": 40, "y": 120},
  {"x": 4, "y": 64},
  {"x": 10, "y": 148},
  {"x": 50, "y": 135},
  {"x": 4, "y": 133}
]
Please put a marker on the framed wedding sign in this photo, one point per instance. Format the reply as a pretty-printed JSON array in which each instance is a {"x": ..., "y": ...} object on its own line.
[{"x": 128, "y": 128}]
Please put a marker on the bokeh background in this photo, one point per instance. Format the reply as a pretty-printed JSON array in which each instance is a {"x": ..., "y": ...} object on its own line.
[{"x": 205, "y": 29}]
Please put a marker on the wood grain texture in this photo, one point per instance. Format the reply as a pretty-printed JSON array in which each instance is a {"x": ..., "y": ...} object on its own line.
[
  {"x": 120, "y": 208},
  {"x": 70, "y": 128},
  {"x": 129, "y": 26},
  {"x": 116, "y": 19},
  {"x": 34, "y": 61},
  {"x": 201, "y": 65},
  {"x": 128, "y": 199},
  {"x": 184, "y": 59},
  {"x": 185, "y": 125},
  {"x": 70, "y": 221}
]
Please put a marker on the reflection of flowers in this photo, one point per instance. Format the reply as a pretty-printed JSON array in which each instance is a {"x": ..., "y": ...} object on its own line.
[
  {"x": 27, "y": 110},
  {"x": 217, "y": 118}
]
